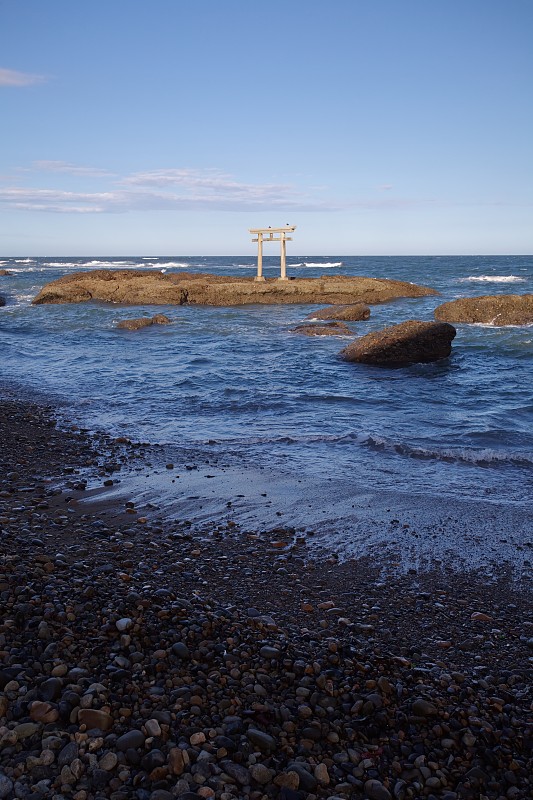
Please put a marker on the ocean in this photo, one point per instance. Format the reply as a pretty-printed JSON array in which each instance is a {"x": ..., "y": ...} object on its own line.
[{"x": 392, "y": 459}]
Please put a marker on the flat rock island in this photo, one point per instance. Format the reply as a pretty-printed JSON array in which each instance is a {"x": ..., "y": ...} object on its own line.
[{"x": 139, "y": 287}]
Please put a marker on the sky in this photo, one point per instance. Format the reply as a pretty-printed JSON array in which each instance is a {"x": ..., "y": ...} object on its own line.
[{"x": 171, "y": 127}]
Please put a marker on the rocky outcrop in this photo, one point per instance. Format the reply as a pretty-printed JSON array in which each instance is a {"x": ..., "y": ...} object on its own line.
[
  {"x": 499, "y": 309},
  {"x": 4, "y": 272},
  {"x": 2, "y": 300},
  {"x": 407, "y": 343},
  {"x": 142, "y": 287},
  {"x": 143, "y": 322},
  {"x": 354, "y": 312},
  {"x": 327, "y": 329}
]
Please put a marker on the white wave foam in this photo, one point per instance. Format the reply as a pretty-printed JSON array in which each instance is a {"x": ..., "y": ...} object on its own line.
[
  {"x": 172, "y": 264},
  {"x": 477, "y": 457},
  {"x": 23, "y": 260},
  {"x": 97, "y": 263},
  {"x": 468, "y": 455},
  {"x": 492, "y": 279},
  {"x": 28, "y": 269},
  {"x": 324, "y": 264},
  {"x": 62, "y": 264}
]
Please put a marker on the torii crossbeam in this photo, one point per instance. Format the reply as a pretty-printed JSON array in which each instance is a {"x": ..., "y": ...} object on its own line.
[{"x": 272, "y": 235}]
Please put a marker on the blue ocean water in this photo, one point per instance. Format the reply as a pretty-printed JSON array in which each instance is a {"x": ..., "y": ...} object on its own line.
[{"x": 237, "y": 383}]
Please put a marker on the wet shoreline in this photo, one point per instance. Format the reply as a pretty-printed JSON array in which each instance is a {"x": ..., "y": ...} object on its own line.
[{"x": 107, "y": 593}]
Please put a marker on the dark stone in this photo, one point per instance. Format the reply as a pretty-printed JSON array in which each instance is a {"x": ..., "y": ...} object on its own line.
[
  {"x": 153, "y": 759},
  {"x": 130, "y": 740},
  {"x": 262, "y": 740},
  {"x": 100, "y": 778},
  {"x": 239, "y": 773},
  {"x": 50, "y": 689},
  {"x": 68, "y": 754},
  {"x": 308, "y": 782},
  {"x": 407, "y": 343},
  {"x": 291, "y": 794},
  {"x": 499, "y": 309},
  {"x": 324, "y": 329},
  {"x": 181, "y": 650}
]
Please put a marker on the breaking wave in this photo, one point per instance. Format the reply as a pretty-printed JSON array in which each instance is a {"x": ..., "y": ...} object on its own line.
[
  {"x": 482, "y": 457},
  {"x": 492, "y": 279},
  {"x": 324, "y": 264}
]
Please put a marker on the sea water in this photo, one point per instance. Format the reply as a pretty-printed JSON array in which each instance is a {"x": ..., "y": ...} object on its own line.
[{"x": 237, "y": 385}]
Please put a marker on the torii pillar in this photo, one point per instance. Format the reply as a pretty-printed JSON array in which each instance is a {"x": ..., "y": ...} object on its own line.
[{"x": 268, "y": 235}]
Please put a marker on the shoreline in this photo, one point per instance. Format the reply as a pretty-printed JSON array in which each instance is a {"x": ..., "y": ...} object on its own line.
[{"x": 367, "y": 686}]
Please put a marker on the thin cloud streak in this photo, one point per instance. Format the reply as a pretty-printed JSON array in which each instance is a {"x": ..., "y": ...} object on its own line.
[
  {"x": 178, "y": 189},
  {"x": 70, "y": 169},
  {"x": 121, "y": 201},
  {"x": 11, "y": 77}
]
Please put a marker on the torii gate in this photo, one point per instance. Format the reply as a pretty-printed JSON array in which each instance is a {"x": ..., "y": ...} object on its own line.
[{"x": 267, "y": 235}]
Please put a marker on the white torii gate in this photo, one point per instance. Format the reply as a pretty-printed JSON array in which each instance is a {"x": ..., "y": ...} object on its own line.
[{"x": 268, "y": 235}]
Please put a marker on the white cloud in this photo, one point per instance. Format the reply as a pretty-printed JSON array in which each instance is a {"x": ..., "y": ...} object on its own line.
[
  {"x": 70, "y": 169},
  {"x": 178, "y": 189},
  {"x": 11, "y": 77}
]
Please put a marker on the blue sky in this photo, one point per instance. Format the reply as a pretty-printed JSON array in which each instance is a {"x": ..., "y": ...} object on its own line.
[{"x": 173, "y": 126}]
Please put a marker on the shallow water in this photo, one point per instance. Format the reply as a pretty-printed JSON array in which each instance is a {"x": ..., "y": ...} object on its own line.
[{"x": 235, "y": 383}]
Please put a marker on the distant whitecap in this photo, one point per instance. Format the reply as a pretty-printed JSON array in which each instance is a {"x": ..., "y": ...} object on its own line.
[
  {"x": 492, "y": 279},
  {"x": 324, "y": 264}
]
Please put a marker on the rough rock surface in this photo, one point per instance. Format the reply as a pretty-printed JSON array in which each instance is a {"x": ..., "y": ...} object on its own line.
[
  {"x": 143, "y": 322},
  {"x": 500, "y": 309},
  {"x": 4, "y": 272},
  {"x": 138, "y": 287},
  {"x": 349, "y": 313},
  {"x": 407, "y": 343},
  {"x": 328, "y": 329}
]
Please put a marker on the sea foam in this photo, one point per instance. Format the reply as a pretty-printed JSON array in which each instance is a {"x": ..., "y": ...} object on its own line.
[{"x": 492, "y": 279}]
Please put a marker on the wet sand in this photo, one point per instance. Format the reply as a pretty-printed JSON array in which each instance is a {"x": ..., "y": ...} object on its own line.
[{"x": 380, "y": 679}]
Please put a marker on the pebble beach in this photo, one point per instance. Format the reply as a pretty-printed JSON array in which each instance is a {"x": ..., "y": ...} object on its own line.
[{"x": 144, "y": 658}]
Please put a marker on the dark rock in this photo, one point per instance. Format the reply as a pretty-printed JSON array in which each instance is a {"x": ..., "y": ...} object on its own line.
[
  {"x": 93, "y": 718},
  {"x": 327, "y": 329},
  {"x": 423, "y": 708},
  {"x": 50, "y": 689},
  {"x": 2, "y": 300},
  {"x": 143, "y": 322},
  {"x": 349, "y": 313},
  {"x": 407, "y": 343},
  {"x": 68, "y": 754},
  {"x": 500, "y": 309},
  {"x": 262, "y": 740},
  {"x": 181, "y": 650},
  {"x": 132, "y": 739},
  {"x": 153, "y": 759},
  {"x": 239, "y": 773},
  {"x": 308, "y": 782},
  {"x": 100, "y": 778}
]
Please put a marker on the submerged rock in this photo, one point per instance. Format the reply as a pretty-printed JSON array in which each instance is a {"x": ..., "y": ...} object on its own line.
[
  {"x": 139, "y": 287},
  {"x": 2, "y": 300},
  {"x": 500, "y": 309},
  {"x": 328, "y": 329},
  {"x": 407, "y": 343},
  {"x": 143, "y": 322},
  {"x": 354, "y": 312}
]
